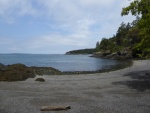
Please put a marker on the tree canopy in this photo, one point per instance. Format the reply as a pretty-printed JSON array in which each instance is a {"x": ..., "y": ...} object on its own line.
[{"x": 141, "y": 8}]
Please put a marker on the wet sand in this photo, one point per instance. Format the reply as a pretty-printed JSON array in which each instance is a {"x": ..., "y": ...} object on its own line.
[{"x": 122, "y": 91}]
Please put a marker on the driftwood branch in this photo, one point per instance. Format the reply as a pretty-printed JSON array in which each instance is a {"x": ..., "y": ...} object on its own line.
[{"x": 55, "y": 108}]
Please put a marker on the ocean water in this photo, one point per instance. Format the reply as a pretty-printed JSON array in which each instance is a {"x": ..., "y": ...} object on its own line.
[{"x": 60, "y": 62}]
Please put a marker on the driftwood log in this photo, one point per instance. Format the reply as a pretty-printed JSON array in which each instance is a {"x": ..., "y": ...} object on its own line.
[{"x": 55, "y": 108}]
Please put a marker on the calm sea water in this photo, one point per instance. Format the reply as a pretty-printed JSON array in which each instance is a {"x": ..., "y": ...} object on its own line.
[{"x": 60, "y": 62}]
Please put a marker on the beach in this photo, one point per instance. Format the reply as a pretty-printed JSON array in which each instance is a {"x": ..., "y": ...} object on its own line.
[{"x": 122, "y": 91}]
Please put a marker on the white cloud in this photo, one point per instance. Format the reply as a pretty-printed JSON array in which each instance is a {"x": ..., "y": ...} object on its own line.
[
  {"x": 4, "y": 41},
  {"x": 12, "y": 9},
  {"x": 77, "y": 23},
  {"x": 59, "y": 40},
  {"x": 54, "y": 43}
]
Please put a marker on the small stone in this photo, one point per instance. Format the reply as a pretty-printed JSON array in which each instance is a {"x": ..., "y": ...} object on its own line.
[
  {"x": 146, "y": 73},
  {"x": 55, "y": 108},
  {"x": 40, "y": 80}
]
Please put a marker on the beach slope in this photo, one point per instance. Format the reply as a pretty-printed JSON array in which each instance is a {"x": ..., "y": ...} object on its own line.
[{"x": 122, "y": 91}]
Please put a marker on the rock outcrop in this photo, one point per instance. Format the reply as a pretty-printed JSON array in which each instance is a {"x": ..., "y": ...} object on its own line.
[
  {"x": 46, "y": 71},
  {"x": 16, "y": 72},
  {"x": 124, "y": 54},
  {"x": 20, "y": 72}
]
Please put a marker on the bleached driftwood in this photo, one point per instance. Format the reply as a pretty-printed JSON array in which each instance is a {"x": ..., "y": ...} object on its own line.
[{"x": 54, "y": 108}]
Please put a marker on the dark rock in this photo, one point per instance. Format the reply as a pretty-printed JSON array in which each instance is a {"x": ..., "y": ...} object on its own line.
[
  {"x": 102, "y": 53},
  {"x": 124, "y": 54},
  {"x": 40, "y": 80},
  {"x": 98, "y": 54},
  {"x": 19, "y": 72},
  {"x": 16, "y": 72},
  {"x": 46, "y": 71},
  {"x": 108, "y": 52},
  {"x": 146, "y": 73},
  {"x": 127, "y": 52},
  {"x": 55, "y": 108}
]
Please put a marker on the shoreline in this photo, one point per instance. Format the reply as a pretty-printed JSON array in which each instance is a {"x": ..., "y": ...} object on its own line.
[
  {"x": 13, "y": 70},
  {"x": 126, "y": 64},
  {"x": 122, "y": 91},
  {"x": 68, "y": 66}
]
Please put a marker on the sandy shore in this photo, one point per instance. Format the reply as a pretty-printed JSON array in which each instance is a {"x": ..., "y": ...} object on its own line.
[{"x": 122, "y": 91}]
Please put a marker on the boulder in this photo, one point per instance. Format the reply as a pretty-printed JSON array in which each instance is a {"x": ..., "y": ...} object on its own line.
[
  {"x": 108, "y": 52},
  {"x": 40, "y": 80},
  {"x": 102, "y": 54},
  {"x": 55, "y": 108},
  {"x": 98, "y": 54},
  {"x": 127, "y": 53},
  {"x": 124, "y": 54}
]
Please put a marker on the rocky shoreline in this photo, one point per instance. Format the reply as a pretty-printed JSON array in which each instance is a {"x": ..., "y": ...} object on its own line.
[
  {"x": 124, "y": 54},
  {"x": 20, "y": 72},
  {"x": 127, "y": 63}
]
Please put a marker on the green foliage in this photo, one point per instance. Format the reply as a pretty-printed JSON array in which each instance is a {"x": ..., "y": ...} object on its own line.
[
  {"x": 108, "y": 44},
  {"x": 137, "y": 7},
  {"x": 126, "y": 36},
  {"x": 142, "y": 8},
  {"x": 82, "y": 51},
  {"x": 121, "y": 33},
  {"x": 143, "y": 48},
  {"x": 97, "y": 45}
]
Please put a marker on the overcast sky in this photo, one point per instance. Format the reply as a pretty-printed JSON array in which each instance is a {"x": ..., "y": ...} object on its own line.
[{"x": 57, "y": 26}]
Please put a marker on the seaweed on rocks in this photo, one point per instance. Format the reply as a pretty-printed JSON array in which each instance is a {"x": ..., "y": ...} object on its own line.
[
  {"x": 46, "y": 71},
  {"x": 20, "y": 72},
  {"x": 16, "y": 72}
]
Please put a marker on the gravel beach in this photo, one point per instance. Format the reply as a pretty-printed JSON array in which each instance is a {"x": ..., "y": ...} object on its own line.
[{"x": 122, "y": 91}]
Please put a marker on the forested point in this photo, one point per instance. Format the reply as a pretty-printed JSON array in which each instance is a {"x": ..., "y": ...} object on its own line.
[
  {"x": 132, "y": 40},
  {"x": 82, "y": 51}
]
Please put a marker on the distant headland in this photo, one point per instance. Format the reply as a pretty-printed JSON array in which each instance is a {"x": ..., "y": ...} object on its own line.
[{"x": 81, "y": 51}]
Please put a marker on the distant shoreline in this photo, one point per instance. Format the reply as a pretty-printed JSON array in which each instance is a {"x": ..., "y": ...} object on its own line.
[{"x": 129, "y": 63}]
